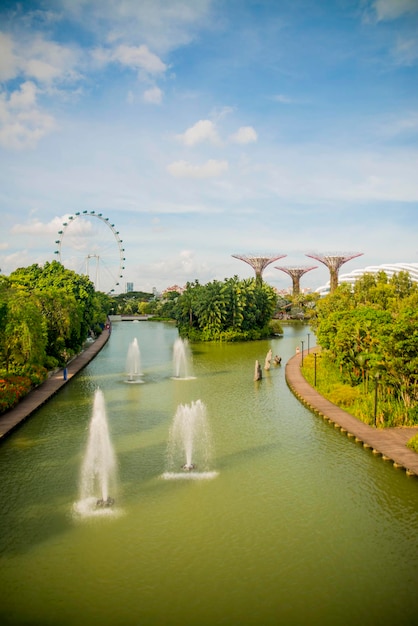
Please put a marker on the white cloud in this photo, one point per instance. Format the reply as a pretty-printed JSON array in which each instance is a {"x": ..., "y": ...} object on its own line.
[
  {"x": 24, "y": 97},
  {"x": 36, "y": 227},
  {"x": 406, "y": 50},
  {"x": 245, "y": 134},
  {"x": 9, "y": 62},
  {"x": 21, "y": 258},
  {"x": 185, "y": 266},
  {"x": 139, "y": 57},
  {"x": 135, "y": 57},
  {"x": 392, "y": 9},
  {"x": 154, "y": 95},
  {"x": 22, "y": 123},
  {"x": 203, "y": 130},
  {"x": 47, "y": 61},
  {"x": 187, "y": 260},
  {"x": 282, "y": 99},
  {"x": 210, "y": 169},
  {"x": 315, "y": 174},
  {"x": 162, "y": 25}
]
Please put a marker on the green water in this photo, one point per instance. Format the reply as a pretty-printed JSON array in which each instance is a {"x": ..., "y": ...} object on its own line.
[{"x": 297, "y": 526}]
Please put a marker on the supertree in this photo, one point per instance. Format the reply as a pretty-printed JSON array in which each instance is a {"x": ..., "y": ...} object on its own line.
[
  {"x": 333, "y": 261},
  {"x": 258, "y": 262},
  {"x": 296, "y": 272}
]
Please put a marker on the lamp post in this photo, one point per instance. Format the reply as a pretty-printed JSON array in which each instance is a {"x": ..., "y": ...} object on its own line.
[
  {"x": 302, "y": 351},
  {"x": 375, "y": 399},
  {"x": 314, "y": 369},
  {"x": 309, "y": 334}
]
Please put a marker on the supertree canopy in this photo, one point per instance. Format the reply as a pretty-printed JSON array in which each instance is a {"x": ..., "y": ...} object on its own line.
[
  {"x": 333, "y": 261},
  {"x": 258, "y": 262},
  {"x": 296, "y": 272}
]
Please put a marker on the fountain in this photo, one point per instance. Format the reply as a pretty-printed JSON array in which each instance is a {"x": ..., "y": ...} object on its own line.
[
  {"x": 182, "y": 360},
  {"x": 189, "y": 447},
  {"x": 98, "y": 469},
  {"x": 133, "y": 363}
]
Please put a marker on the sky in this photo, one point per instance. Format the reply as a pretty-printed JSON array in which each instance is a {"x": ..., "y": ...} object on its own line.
[{"x": 206, "y": 128}]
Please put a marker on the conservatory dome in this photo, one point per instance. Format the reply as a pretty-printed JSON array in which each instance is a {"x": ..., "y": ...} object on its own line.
[{"x": 389, "y": 268}]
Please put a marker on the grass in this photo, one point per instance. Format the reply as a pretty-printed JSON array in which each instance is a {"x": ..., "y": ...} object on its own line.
[{"x": 365, "y": 405}]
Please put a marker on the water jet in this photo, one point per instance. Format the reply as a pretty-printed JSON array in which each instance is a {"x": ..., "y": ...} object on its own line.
[
  {"x": 182, "y": 360},
  {"x": 133, "y": 363},
  {"x": 98, "y": 470},
  {"x": 189, "y": 445}
]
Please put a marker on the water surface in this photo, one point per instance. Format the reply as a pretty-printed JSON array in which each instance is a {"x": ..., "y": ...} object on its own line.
[{"x": 297, "y": 525}]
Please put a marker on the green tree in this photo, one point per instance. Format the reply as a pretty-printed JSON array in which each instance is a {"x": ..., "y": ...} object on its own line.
[
  {"x": 68, "y": 303},
  {"x": 372, "y": 330},
  {"x": 24, "y": 333},
  {"x": 230, "y": 310}
]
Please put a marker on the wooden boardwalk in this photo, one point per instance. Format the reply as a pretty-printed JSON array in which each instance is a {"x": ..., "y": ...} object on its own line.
[
  {"x": 36, "y": 398},
  {"x": 389, "y": 443}
]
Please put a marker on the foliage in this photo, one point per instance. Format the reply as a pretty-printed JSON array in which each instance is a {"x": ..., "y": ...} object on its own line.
[
  {"x": 413, "y": 443},
  {"x": 275, "y": 327},
  {"x": 299, "y": 307},
  {"x": 12, "y": 389},
  {"x": 344, "y": 395},
  {"x": 232, "y": 310},
  {"x": 370, "y": 336},
  {"x": 46, "y": 314},
  {"x": 131, "y": 303}
]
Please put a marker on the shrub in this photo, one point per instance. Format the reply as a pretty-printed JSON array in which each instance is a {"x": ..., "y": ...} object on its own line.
[
  {"x": 12, "y": 389},
  {"x": 275, "y": 327},
  {"x": 36, "y": 374},
  {"x": 344, "y": 395},
  {"x": 413, "y": 443}
]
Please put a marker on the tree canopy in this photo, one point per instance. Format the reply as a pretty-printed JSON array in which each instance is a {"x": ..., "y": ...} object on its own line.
[
  {"x": 46, "y": 315},
  {"x": 232, "y": 310},
  {"x": 371, "y": 331}
]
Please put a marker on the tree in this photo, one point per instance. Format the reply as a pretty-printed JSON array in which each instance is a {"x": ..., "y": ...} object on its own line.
[
  {"x": 372, "y": 329},
  {"x": 230, "y": 310},
  {"x": 70, "y": 308},
  {"x": 24, "y": 333}
]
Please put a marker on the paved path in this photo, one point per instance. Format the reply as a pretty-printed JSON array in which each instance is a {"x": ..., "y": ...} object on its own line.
[
  {"x": 36, "y": 398},
  {"x": 389, "y": 443}
]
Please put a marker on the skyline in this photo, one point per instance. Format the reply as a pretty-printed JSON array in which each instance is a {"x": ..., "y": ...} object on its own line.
[{"x": 208, "y": 128}]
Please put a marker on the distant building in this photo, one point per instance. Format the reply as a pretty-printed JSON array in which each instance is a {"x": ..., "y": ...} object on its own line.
[
  {"x": 173, "y": 288},
  {"x": 129, "y": 287}
]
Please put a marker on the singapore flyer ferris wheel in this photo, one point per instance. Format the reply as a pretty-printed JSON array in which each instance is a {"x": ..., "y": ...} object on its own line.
[{"x": 88, "y": 243}]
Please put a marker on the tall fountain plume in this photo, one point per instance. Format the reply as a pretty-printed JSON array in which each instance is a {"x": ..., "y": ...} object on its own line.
[
  {"x": 182, "y": 359},
  {"x": 133, "y": 362},
  {"x": 98, "y": 471},
  {"x": 189, "y": 447}
]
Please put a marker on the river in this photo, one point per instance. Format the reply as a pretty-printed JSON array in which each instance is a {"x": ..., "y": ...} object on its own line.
[{"x": 290, "y": 524}]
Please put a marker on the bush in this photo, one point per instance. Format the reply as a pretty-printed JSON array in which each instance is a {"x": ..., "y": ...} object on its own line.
[
  {"x": 275, "y": 327},
  {"x": 12, "y": 389},
  {"x": 344, "y": 395},
  {"x": 36, "y": 374},
  {"x": 390, "y": 412},
  {"x": 413, "y": 443}
]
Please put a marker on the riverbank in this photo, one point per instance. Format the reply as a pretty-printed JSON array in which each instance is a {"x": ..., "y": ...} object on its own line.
[
  {"x": 12, "y": 419},
  {"x": 389, "y": 443}
]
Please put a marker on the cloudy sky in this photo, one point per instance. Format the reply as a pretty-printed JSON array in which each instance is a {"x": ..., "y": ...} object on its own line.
[{"x": 205, "y": 128}]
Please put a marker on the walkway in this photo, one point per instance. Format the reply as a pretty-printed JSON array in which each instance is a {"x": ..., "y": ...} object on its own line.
[
  {"x": 389, "y": 443},
  {"x": 36, "y": 398}
]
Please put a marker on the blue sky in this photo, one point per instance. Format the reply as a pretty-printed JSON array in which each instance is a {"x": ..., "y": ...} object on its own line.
[{"x": 204, "y": 128}]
